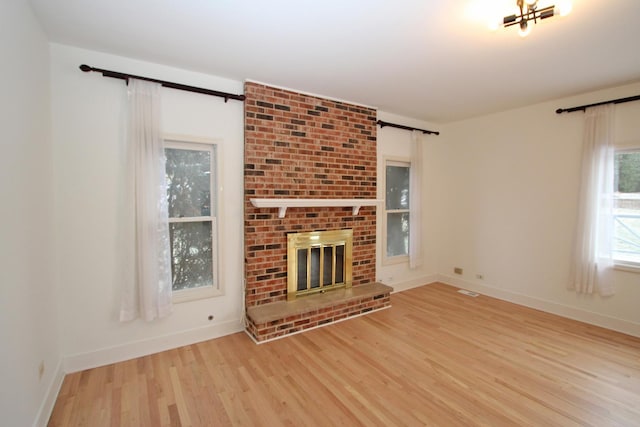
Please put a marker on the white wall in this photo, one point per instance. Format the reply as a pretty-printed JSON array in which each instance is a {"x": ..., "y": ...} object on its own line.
[
  {"x": 510, "y": 204},
  {"x": 88, "y": 135},
  {"x": 395, "y": 143},
  {"x": 28, "y": 320}
]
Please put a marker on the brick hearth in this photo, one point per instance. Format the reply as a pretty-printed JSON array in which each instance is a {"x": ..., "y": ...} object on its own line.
[{"x": 269, "y": 321}]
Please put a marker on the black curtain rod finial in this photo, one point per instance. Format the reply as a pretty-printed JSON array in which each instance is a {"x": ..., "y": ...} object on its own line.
[
  {"x": 187, "y": 88},
  {"x": 394, "y": 125}
]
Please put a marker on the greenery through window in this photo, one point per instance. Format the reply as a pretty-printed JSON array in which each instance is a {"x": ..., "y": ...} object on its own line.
[
  {"x": 626, "y": 245},
  {"x": 397, "y": 208},
  {"x": 190, "y": 172}
]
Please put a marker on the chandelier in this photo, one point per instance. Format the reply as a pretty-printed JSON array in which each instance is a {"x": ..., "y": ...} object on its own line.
[{"x": 531, "y": 13}]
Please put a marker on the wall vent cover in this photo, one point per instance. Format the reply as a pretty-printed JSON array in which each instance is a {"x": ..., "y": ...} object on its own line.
[{"x": 468, "y": 293}]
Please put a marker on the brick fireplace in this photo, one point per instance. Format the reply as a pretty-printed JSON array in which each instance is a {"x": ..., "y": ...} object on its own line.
[{"x": 305, "y": 147}]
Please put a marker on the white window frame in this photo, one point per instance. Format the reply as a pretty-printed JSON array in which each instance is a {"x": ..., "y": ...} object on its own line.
[
  {"x": 620, "y": 264},
  {"x": 204, "y": 144},
  {"x": 398, "y": 259}
]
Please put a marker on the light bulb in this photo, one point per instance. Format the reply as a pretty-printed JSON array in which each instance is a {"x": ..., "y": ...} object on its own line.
[
  {"x": 525, "y": 29},
  {"x": 564, "y": 7},
  {"x": 531, "y": 2},
  {"x": 494, "y": 24}
]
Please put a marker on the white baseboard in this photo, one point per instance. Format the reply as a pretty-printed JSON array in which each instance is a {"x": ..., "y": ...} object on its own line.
[
  {"x": 619, "y": 325},
  {"x": 106, "y": 356},
  {"x": 413, "y": 283},
  {"x": 51, "y": 394}
]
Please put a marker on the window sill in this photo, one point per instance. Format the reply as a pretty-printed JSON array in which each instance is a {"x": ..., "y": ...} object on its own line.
[
  {"x": 400, "y": 259},
  {"x": 628, "y": 267},
  {"x": 187, "y": 295}
]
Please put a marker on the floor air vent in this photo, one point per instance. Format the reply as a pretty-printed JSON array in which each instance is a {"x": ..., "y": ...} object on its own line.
[{"x": 468, "y": 293}]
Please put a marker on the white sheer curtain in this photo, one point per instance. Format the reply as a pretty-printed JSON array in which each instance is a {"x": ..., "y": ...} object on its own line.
[
  {"x": 415, "y": 192},
  {"x": 592, "y": 260},
  {"x": 148, "y": 296}
]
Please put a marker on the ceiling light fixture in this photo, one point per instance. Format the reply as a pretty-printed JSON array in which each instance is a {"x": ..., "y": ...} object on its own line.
[{"x": 529, "y": 13}]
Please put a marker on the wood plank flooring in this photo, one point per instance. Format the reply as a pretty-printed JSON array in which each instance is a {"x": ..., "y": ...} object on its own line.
[{"x": 436, "y": 358}]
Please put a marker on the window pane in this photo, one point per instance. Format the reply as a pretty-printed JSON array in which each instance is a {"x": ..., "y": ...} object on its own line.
[
  {"x": 627, "y": 178},
  {"x": 188, "y": 182},
  {"x": 397, "y": 234},
  {"x": 626, "y": 243},
  {"x": 191, "y": 254},
  {"x": 397, "y": 192}
]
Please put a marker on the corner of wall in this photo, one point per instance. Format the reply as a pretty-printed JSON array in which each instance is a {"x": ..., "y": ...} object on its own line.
[{"x": 51, "y": 394}]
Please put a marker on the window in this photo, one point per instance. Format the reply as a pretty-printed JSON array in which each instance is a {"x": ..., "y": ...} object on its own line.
[
  {"x": 192, "y": 199},
  {"x": 397, "y": 210},
  {"x": 626, "y": 230}
]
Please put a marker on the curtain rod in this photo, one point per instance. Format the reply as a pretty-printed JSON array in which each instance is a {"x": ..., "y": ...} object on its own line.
[
  {"x": 584, "y": 107},
  {"x": 393, "y": 125},
  {"x": 126, "y": 77}
]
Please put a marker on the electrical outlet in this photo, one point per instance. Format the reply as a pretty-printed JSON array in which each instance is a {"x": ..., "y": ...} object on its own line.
[
  {"x": 40, "y": 370},
  {"x": 480, "y": 276},
  {"x": 457, "y": 270}
]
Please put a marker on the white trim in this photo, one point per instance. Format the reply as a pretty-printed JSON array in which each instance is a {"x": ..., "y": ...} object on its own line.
[
  {"x": 51, "y": 394},
  {"x": 394, "y": 260},
  {"x": 315, "y": 327},
  {"x": 615, "y": 324},
  {"x": 175, "y": 137},
  {"x": 131, "y": 350},
  {"x": 401, "y": 162},
  {"x": 193, "y": 294},
  {"x": 329, "y": 98},
  {"x": 631, "y": 148},
  {"x": 184, "y": 219},
  {"x": 628, "y": 267}
]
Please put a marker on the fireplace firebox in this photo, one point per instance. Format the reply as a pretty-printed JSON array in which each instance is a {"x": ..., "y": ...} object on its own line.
[{"x": 318, "y": 261}]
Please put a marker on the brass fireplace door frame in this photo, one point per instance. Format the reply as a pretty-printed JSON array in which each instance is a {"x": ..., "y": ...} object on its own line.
[{"x": 319, "y": 239}]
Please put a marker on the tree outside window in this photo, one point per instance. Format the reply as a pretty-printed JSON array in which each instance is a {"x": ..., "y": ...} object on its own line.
[{"x": 191, "y": 195}]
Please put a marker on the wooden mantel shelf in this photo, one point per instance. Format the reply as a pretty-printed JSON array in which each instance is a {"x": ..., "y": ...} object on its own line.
[{"x": 283, "y": 204}]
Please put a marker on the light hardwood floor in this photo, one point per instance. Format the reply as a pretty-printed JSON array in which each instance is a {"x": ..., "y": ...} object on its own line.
[{"x": 435, "y": 358}]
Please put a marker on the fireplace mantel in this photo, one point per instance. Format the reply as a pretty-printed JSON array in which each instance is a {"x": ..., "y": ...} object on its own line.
[{"x": 283, "y": 204}]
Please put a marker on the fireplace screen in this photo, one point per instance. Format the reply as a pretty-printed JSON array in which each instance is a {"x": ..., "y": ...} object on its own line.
[{"x": 318, "y": 261}]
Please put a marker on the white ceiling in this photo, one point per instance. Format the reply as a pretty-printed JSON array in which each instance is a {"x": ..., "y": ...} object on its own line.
[{"x": 434, "y": 60}]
